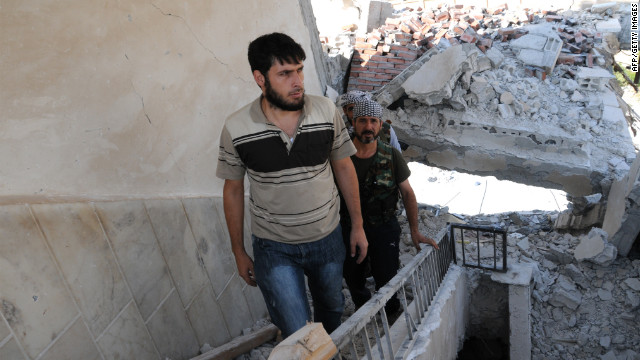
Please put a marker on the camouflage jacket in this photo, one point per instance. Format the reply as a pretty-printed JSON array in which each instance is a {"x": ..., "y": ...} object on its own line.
[{"x": 379, "y": 190}]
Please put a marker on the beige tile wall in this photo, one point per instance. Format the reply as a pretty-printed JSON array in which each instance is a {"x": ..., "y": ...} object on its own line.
[{"x": 143, "y": 279}]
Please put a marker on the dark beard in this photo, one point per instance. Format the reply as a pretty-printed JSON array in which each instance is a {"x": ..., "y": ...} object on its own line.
[
  {"x": 362, "y": 139},
  {"x": 278, "y": 101}
]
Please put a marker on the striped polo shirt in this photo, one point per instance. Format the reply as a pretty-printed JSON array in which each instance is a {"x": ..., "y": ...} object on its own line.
[{"x": 293, "y": 196}]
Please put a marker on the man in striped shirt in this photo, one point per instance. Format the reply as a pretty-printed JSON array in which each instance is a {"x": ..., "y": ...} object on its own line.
[{"x": 291, "y": 146}]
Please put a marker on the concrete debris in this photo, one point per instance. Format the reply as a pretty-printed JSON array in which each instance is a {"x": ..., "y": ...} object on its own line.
[
  {"x": 431, "y": 87},
  {"x": 569, "y": 316},
  {"x": 594, "y": 247}
]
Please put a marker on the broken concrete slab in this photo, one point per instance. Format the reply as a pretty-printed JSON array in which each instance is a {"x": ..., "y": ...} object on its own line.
[
  {"x": 595, "y": 248},
  {"x": 436, "y": 79},
  {"x": 538, "y": 50}
]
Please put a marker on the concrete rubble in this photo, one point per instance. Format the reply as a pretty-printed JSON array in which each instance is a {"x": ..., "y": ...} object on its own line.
[
  {"x": 521, "y": 94},
  {"x": 583, "y": 308}
]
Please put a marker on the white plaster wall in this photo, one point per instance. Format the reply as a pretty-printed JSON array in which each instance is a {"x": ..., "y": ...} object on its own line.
[{"x": 126, "y": 99}]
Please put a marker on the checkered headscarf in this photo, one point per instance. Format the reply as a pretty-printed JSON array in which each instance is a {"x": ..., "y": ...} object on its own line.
[
  {"x": 353, "y": 96},
  {"x": 367, "y": 107}
]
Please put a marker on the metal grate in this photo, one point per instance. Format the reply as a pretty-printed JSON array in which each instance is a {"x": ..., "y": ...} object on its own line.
[{"x": 483, "y": 247}]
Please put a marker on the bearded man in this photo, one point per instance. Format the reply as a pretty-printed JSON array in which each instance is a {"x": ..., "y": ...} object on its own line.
[
  {"x": 383, "y": 174},
  {"x": 290, "y": 145}
]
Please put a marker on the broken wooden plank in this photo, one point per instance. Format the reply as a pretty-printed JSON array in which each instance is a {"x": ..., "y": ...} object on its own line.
[
  {"x": 308, "y": 343},
  {"x": 240, "y": 345}
]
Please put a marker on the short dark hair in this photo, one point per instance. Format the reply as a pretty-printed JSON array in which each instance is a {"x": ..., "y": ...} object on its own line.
[{"x": 264, "y": 50}]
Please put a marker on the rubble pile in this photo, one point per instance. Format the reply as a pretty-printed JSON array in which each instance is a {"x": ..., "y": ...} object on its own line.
[
  {"x": 585, "y": 299},
  {"x": 385, "y": 52}
]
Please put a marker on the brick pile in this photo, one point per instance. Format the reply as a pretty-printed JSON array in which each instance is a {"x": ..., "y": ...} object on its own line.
[{"x": 385, "y": 52}]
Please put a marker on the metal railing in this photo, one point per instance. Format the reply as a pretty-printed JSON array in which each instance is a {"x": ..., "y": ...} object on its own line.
[
  {"x": 422, "y": 278},
  {"x": 487, "y": 250}
]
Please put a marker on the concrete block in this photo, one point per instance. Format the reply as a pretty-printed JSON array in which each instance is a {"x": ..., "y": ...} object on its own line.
[
  {"x": 35, "y": 302},
  {"x": 609, "y": 26},
  {"x": 178, "y": 246},
  {"x": 171, "y": 332},
  {"x": 11, "y": 350},
  {"x": 538, "y": 50},
  {"x": 209, "y": 227},
  {"x": 85, "y": 258},
  {"x": 127, "y": 337},
  {"x": 75, "y": 343},
  {"x": 207, "y": 320},
  {"x": 595, "y": 248},
  {"x": 128, "y": 228},
  {"x": 613, "y": 118},
  {"x": 436, "y": 79}
]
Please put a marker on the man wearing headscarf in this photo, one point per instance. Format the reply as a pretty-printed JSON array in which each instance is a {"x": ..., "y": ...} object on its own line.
[
  {"x": 349, "y": 100},
  {"x": 383, "y": 174}
]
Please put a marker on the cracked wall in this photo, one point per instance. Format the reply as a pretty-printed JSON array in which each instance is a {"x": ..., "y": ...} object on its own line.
[
  {"x": 113, "y": 238},
  {"x": 127, "y": 100}
]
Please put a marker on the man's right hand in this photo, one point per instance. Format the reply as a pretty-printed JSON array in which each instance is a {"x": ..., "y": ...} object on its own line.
[
  {"x": 245, "y": 268},
  {"x": 358, "y": 240}
]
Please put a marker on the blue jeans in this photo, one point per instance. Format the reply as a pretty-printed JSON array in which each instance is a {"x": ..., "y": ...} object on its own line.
[{"x": 280, "y": 269}]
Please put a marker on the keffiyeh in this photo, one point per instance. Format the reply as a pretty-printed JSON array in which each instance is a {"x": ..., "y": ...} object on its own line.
[{"x": 367, "y": 107}]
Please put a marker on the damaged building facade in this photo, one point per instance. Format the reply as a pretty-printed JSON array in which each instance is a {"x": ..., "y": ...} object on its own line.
[
  {"x": 112, "y": 236},
  {"x": 525, "y": 95}
]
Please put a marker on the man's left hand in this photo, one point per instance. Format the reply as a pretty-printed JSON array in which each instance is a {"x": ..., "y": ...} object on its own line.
[{"x": 419, "y": 238}]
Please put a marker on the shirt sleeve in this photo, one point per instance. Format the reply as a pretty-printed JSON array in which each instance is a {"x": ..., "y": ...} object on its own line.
[
  {"x": 342, "y": 145},
  {"x": 230, "y": 166},
  {"x": 393, "y": 139},
  {"x": 401, "y": 169}
]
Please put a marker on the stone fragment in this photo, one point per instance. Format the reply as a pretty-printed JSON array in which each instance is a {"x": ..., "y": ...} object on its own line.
[
  {"x": 562, "y": 297},
  {"x": 633, "y": 283},
  {"x": 496, "y": 57},
  {"x": 506, "y": 98},
  {"x": 595, "y": 248},
  {"x": 506, "y": 111}
]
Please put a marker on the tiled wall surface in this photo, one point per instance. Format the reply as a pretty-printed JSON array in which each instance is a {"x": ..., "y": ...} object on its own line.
[{"x": 139, "y": 279}]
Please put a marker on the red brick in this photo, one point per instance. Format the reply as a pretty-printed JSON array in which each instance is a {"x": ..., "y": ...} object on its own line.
[
  {"x": 407, "y": 55},
  {"x": 395, "y": 60},
  {"x": 590, "y": 60},
  {"x": 371, "y": 52},
  {"x": 384, "y": 65},
  {"x": 454, "y": 41},
  {"x": 555, "y": 18},
  {"x": 428, "y": 20},
  {"x": 357, "y": 69},
  {"x": 365, "y": 87},
  {"x": 402, "y": 67},
  {"x": 507, "y": 31},
  {"x": 384, "y": 48},
  {"x": 426, "y": 28},
  {"x": 418, "y": 36},
  {"x": 566, "y": 59},
  {"x": 458, "y": 30},
  {"x": 405, "y": 28},
  {"x": 482, "y": 48},
  {"x": 486, "y": 42},
  {"x": 384, "y": 77},
  {"x": 443, "y": 16},
  {"x": 468, "y": 38},
  {"x": 392, "y": 71},
  {"x": 392, "y": 21},
  {"x": 440, "y": 33},
  {"x": 579, "y": 38}
]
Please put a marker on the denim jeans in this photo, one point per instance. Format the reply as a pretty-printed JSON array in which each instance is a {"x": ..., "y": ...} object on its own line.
[{"x": 280, "y": 269}]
